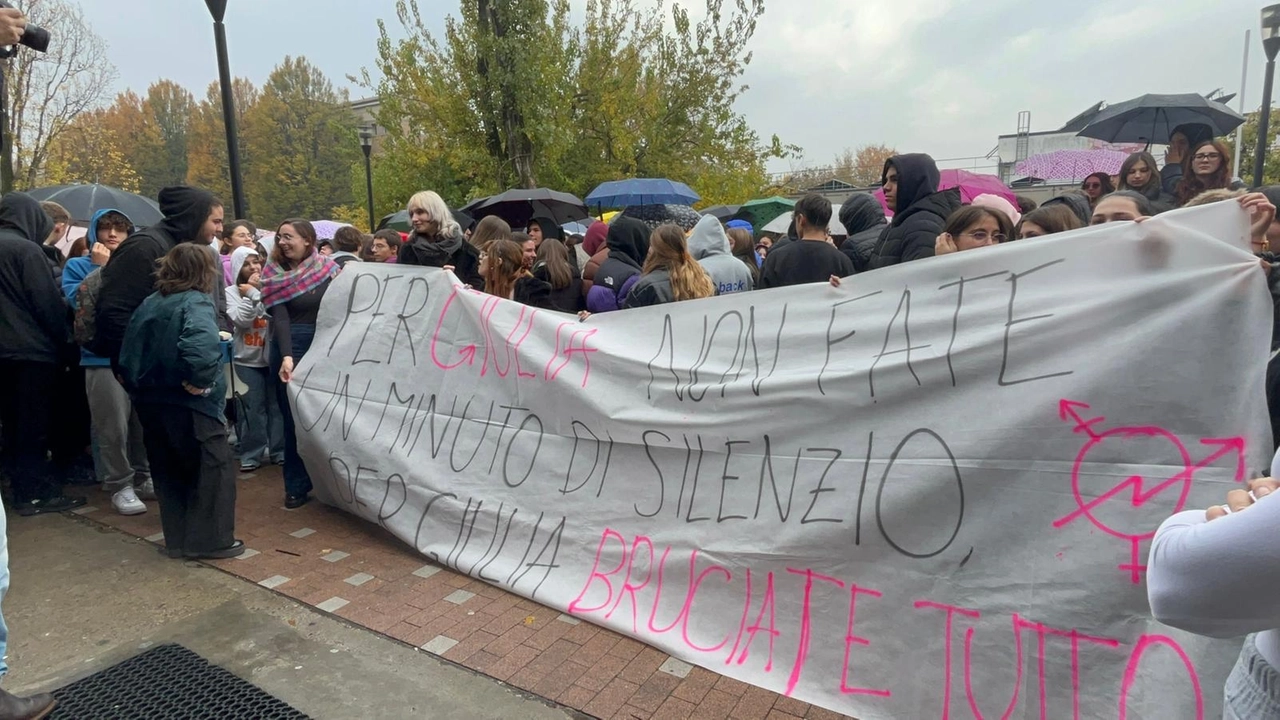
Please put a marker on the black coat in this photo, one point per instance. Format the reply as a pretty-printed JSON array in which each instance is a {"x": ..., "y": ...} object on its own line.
[
  {"x": 568, "y": 299},
  {"x": 465, "y": 259},
  {"x": 863, "y": 216},
  {"x": 33, "y": 315},
  {"x": 130, "y": 275},
  {"x": 921, "y": 215}
]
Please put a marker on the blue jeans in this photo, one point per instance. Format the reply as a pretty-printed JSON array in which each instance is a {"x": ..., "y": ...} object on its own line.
[
  {"x": 1253, "y": 688},
  {"x": 260, "y": 426},
  {"x": 296, "y": 480}
]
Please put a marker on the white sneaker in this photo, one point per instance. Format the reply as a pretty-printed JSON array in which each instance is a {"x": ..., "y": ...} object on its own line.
[
  {"x": 127, "y": 503},
  {"x": 147, "y": 490}
]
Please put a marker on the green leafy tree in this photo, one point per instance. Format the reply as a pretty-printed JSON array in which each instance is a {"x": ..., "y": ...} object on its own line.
[
  {"x": 162, "y": 152},
  {"x": 300, "y": 145},
  {"x": 513, "y": 94},
  {"x": 1271, "y": 164}
]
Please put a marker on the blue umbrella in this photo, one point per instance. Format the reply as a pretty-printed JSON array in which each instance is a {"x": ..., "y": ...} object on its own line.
[{"x": 642, "y": 191}]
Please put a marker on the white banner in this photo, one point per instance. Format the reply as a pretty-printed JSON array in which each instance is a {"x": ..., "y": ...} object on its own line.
[{"x": 928, "y": 493}]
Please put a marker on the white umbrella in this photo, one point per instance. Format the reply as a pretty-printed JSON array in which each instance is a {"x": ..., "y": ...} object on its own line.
[{"x": 780, "y": 224}]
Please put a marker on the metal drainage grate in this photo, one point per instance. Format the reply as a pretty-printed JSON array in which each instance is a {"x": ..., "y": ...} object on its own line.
[{"x": 168, "y": 683}]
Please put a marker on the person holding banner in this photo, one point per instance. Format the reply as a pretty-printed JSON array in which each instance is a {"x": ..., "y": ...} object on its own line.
[
  {"x": 1212, "y": 572},
  {"x": 293, "y": 285}
]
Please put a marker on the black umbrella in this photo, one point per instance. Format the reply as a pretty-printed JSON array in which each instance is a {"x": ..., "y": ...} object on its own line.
[
  {"x": 655, "y": 215},
  {"x": 1151, "y": 119},
  {"x": 82, "y": 201},
  {"x": 520, "y": 206},
  {"x": 722, "y": 212}
]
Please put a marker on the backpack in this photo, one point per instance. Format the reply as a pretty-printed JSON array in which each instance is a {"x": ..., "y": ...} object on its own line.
[{"x": 85, "y": 325}]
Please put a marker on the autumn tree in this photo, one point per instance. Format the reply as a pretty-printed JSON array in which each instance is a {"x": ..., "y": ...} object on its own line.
[
  {"x": 47, "y": 91},
  {"x": 92, "y": 150},
  {"x": 300, "y": 144},
  {"x": 162, "y": 148},
  {"x": 514, "y": 94},
  {"x": 207, "y": 163}
]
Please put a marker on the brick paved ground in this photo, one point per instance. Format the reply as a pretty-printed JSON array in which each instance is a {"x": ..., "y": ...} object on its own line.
[{"x": 358, "y": 571}]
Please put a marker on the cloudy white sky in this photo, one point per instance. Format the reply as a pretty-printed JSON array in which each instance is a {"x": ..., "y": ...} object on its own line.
[{"x": 939, "y": 76}]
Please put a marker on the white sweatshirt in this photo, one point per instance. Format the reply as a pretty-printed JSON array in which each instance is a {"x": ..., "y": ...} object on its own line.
[{"x": 1221, "y": 578}]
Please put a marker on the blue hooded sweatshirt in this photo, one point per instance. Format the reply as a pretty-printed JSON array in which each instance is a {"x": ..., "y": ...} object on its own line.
[{"x": 74, "y": 273}]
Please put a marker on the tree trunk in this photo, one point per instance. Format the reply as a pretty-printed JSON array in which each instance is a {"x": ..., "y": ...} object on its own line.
[{"x": 519, "y": 150}]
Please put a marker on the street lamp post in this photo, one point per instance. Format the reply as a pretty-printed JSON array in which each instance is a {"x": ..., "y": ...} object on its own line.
[
  {"x": 366, "y": 144},
  {"x": 1271, "y": 44},
  {"x": 218, "y": 8}
]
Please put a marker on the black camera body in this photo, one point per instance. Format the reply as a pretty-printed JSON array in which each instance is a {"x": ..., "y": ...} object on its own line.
[{"x": 34, "y": 37}]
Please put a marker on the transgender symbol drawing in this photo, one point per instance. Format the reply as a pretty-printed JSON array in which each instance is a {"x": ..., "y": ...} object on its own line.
[{"x": 1135, "y": 491}]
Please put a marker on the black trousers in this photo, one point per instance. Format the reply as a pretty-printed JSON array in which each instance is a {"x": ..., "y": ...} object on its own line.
[
  {"x": 193, "y": 476},
  {"x": 27, "y": 395},
  {"x": 70, "y": 430}
]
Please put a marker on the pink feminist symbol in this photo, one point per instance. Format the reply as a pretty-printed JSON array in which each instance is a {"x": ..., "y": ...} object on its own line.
[{"x": 1135, "y": 486}]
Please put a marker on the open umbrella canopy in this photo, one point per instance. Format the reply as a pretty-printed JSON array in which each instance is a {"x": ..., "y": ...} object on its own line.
[
  {"x": 82, "y": 201},
  {"x": 1070, "y": 164},
  {"x": 519, "y": 206},
  {"x": 779, "y": 225},
  {"x": 722, "y": 213},
  {"x": 655, "y": 215},
  {"x": 761, "y": 212},
  {"x": 642, "y": 191},
  {"x": 1151, "y": 119},
  {"x": 971, "y": 186},
  {"x": 326, "y": 229}
]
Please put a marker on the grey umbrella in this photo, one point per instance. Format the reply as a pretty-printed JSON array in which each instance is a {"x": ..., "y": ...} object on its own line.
[{"x": 1151, "y": 119}]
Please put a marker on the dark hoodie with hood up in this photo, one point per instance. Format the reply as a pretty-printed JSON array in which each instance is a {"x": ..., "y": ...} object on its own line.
[
  {"x": 34, "y": 321},
  {"x": 863, "y": 217},
  {"x": 920, "y": 215},
  {"x": 628, "y": 246},
  {"x": 130, "y": 275},
  {"x": 1076, "y": 202}
]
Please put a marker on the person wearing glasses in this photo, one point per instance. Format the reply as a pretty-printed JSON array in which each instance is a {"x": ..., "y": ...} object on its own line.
[
  {"x": 1097, "y": 185},
  {"x": 973, "y": 227},
  {"x": 1207, "y": 167}
]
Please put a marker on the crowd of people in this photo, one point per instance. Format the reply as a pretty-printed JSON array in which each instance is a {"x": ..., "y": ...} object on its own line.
[{"x": 112, "y": 356}]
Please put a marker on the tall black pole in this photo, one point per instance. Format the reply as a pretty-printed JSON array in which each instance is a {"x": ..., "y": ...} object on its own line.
[
  {"x": 1260, "y": 154},
  {"x": 218, "y": 9},
  {"x": 368, "y": 179}
]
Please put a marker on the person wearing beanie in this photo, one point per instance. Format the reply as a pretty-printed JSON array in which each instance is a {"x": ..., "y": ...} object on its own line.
[{"x": 190, "y": 215}]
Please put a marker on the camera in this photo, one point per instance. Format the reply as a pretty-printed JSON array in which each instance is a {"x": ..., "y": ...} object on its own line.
[{"x": 34, "y": 37}]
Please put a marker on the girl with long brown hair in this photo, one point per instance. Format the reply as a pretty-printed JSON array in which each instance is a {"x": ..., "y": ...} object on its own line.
[
  {"x": 1206, "y": 167},
  {"x": 556, "y": 269},
  {"x": 670, "y": 273},
  {"x": 502, "y": 267}
]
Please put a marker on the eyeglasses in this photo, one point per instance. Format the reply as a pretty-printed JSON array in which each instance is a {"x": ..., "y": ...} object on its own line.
[
  {"x": 1207, "y": 156},
  {"x": 1093, "y": 186},
  {"x": 983, "y": 236}
]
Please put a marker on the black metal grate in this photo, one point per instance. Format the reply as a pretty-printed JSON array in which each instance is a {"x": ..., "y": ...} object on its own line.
[{"x": 168, "y": 683}]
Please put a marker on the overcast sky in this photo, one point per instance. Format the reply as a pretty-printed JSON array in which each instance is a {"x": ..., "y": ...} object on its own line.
[{"x": 938, "y": 76}]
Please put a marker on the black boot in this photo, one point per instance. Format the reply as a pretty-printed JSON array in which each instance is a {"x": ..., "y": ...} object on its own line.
[{"x": 35, "y": 707}]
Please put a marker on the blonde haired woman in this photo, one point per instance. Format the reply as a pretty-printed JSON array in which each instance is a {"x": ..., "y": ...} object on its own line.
[
  {"x": 437, "y": 241},
  {"x": 670, "y": 272}
]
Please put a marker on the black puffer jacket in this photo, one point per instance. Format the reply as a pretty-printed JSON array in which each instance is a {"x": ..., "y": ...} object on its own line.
[
  {"x": 1077, "y": 203},
  {"x": 862, "y": 215},
  {"x": 922, "y": 212}
]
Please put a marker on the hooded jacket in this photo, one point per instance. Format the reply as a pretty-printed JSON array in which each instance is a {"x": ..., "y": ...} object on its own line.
[
  {"x": 1078, "y": 205},
  {"x": 862, "y": 215},
  {"x": 248, "y": 316},
  {"x": 709, "y": 245},
  {"x": 628, "y": 246},
  {"x": 438, "y": 251},
  {"x": 550, "y": 230},
  {"x": 73, "y": 276},
  {"x": 34, "y": 320},
  {"x": 921, "y": 212},
  {"x": 130, "y": 275}
]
